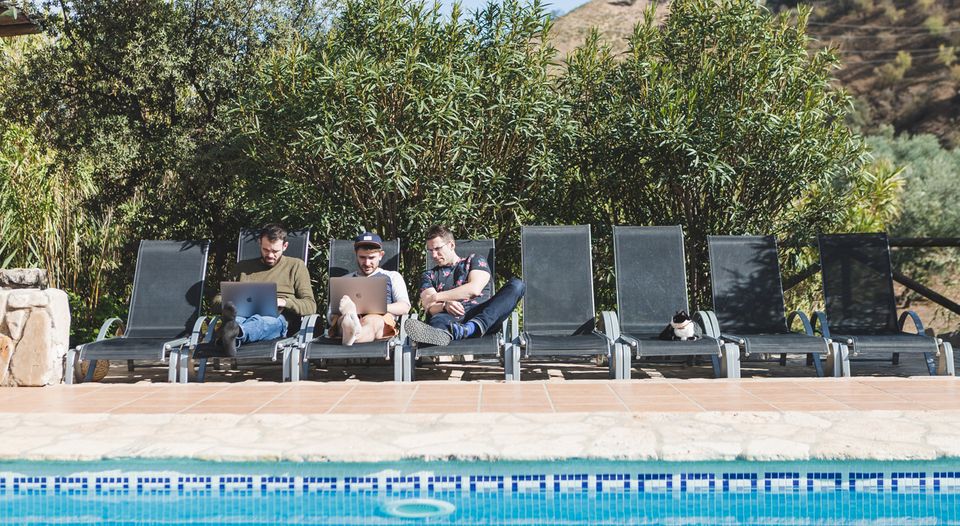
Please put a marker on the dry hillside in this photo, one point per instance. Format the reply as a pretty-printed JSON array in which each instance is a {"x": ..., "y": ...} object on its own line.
[{"x": 918, "y": 94}]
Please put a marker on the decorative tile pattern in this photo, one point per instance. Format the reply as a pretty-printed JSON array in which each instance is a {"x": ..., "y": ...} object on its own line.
[{"x": 905, "y": 481}]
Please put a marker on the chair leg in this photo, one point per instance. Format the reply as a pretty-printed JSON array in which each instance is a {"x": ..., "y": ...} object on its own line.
[
  {"x": 626, "y": 365},
  {"x": 931, "y": 362},
  {"x": 294, "y": 362},
  {"x": 815, "y": 358},
  {"x": 173, "y": 366},
  {"x": 130, "y": 366},
  {"x": 397, "y": 358},
  {"x": 183, "y": 368},
  {"x": 511, "y": 363},
  {"x": 809, "y": 360},
  {"x": 896, "y": 359},
  {"x": 70, "y": 369},
  {"x": 304, "y": 368},
  {"x": 202, "y": 370},
  {"x": 235, "y": 364},
  {"x": 90, "y": 370},
  {"x": 718, "y": 368},
  {"x": 731, "y": 359},
  {"x": 409, "y": 368},
  {"x": 945, "y": 365},
  {"x": 783, "y": 360}
]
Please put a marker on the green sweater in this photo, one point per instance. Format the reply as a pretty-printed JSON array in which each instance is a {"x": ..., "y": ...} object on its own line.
[{"x": 291, "y": 277}]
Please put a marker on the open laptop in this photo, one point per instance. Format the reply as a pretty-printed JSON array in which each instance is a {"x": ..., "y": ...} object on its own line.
[
  {"x": 369, "y": 293},
  {"x": 251, "y": 298}
]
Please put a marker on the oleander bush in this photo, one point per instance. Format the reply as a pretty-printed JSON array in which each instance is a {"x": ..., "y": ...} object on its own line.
[{"x": 205, "y": 117}]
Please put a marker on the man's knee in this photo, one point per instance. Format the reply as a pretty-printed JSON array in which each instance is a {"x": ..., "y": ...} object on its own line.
[{"x": 516, "y": 286}]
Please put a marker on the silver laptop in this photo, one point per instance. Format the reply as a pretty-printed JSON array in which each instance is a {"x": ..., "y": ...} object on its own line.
[
  {"x": 251, "y": 298},
  {"x": 369, "y": 293}
]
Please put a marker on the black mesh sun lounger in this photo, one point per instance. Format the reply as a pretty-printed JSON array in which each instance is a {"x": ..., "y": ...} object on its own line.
[
  {"x": 748, "y": 302},
  {"x": 861, "y": 307},
  {"x": 164, "y": 306},
  {"x": 651, "y": 287}
]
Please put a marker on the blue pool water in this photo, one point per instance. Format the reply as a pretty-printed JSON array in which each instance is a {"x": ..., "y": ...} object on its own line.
[{"x": 566, "y": 492}]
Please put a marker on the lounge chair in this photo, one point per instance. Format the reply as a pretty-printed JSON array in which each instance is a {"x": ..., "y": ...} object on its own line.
[
  {"x": 651, "y": 286},
  {"x": 164, "y": 306},
  {"x": 749, "y": 306},
  {"x": 861, "y": 307},
  {"x": 558, "y": 309},
  {"x": 343, "y": 261},
  {"x": 492, "y": 344},
  {"x": 248, "y": 247}
]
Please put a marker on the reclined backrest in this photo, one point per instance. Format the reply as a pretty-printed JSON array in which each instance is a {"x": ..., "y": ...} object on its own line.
[
  {"x": 858, "y": 283},
  {"x": 167, "y": 288},
  {"x": 481, "y": 247},
  {"x": 343, "y": 259},
  {"x": 558, "y": 271},
  {"x": 298, "y": 244},
  {"x": 747, "y": 291},
  {"x": 651, "y": 276}
]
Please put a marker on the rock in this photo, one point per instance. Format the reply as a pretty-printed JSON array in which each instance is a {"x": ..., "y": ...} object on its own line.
[
  {"x": 3, "y": 305},
  {"x": 34, "y": 362},
  {"x": 58, "y": 307},
  {"x": 23, "y": 278},
  {"x": 26, "y": 298},
  {"x": 15, "y": 322},
  {"x": 6, "y": 350}
]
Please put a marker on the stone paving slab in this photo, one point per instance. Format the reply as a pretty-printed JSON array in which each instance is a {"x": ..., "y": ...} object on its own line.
[
  {"x": 763, "y": 419},
  {"x": 878, "y": 435}
]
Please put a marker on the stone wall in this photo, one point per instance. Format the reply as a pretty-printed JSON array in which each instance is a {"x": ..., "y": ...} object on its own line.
[{"x": 34, "y": 329}]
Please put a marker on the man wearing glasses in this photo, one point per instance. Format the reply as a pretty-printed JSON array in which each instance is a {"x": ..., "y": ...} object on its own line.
[{"x": 456, "y": 296}]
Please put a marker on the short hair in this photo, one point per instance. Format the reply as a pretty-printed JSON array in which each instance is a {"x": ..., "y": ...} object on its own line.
[
  {"x": 439, "y": 231},
  {"x": 273, "y": 232}
]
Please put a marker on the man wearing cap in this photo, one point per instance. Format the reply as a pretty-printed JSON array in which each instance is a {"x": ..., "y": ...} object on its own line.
[
  {"x": 357, "y": 328},
  {"x": 294, "y": 295}
]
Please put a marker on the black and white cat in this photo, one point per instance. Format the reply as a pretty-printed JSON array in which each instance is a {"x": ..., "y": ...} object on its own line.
[{"x": 681, "y": 327}]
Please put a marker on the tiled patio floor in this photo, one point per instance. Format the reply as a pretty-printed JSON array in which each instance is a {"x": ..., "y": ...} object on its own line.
[{"x": 255, "y": 397}]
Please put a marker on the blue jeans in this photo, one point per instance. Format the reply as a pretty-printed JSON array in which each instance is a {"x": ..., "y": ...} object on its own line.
[
  {"x": 489, "y": 314},
  {"x": 258, "y": 328}
]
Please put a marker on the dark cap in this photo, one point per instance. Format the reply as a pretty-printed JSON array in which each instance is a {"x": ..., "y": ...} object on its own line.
[{"x": 367, "y": 240}]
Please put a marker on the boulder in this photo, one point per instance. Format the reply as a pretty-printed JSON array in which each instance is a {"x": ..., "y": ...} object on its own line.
[
  {"x": 26, "y": 298},
  {"x": 6, "y": 351},
  {"x": 35, "y": 361},
  {"x": 15, "y": 321},
  {"x": 23, "y": 278}
]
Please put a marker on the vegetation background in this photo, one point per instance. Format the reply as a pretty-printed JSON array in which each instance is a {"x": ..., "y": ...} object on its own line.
[{"x": 135, "y": 119}]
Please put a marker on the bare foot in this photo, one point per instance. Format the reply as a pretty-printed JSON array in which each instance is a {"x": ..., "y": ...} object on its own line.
[{"x": 349, "y": 321}]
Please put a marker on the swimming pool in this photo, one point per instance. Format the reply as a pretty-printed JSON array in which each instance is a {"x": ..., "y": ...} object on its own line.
[{"x": 563, "y": 492}]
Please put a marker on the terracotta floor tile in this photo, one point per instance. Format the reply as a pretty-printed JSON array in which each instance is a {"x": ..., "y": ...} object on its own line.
[
  {"x": 644, "y": 389},
  {"x": 723, "y": 406},
  {"x": 507, "y": 408},
  {"x": 586, "y": 408},
  {"x": 663, "y": 408},
  {"x": 442, "y": 408},
  {"x": 242, "y": 410},
  {"x": 148, "y": 409},
  {"x": 873, "y": 406},
  {"x": 816, "y": 406},
  {"x": 294, "y": 408},
  {"x": 365, "y": 409}
]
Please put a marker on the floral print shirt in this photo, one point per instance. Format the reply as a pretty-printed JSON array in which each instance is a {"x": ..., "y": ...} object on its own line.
[{"x": 451, "y": 277}]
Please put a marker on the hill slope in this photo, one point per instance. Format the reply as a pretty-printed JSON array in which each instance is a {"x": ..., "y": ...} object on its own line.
[{"x": 919, "y": 94}]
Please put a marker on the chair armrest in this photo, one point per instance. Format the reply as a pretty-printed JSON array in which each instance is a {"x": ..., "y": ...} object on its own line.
[
  {"x": 820, "y": 320},
  {"x": 308, "y": 327},
  {"x": 611, "y": 325},
  {"x": 196, "y": 334},
  {"x": 629, "y": 340},
  {"x": 708, "y": 323},
  {"x": 170, "y": 345},
  {"x": 913, "y": 316},
  {"x": 402, "y": 333},
  {"x": 733, "y": 339},
  {"x": 102, "y": 335},
  {"x": 807, "y": 328}
]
